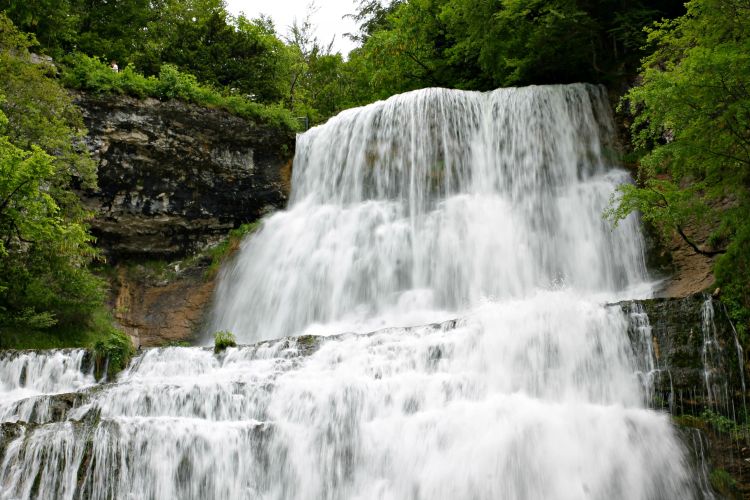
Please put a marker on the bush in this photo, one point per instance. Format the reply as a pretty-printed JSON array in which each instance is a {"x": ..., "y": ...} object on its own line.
[
  {"x": 222, "y": 340},
  {"x": 724, "y": 483},
  {"x": 82, "y": 72},
  {"x": 229, "y": 246},
  {"x": 732, "y": 275},
  {"x": 113, "y": 351}
]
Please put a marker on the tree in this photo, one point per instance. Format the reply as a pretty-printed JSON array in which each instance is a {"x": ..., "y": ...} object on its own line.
[
  {"x": 44, "y": 244},
  {"x": 115, "y": 29},
  {"x": 371, "y": 16},
  {"x": 484, "y": 44},
  {"x": 302, "y": 46},
  {"x": 692, "y": 130},
  {"x": 55, "y": 23}
]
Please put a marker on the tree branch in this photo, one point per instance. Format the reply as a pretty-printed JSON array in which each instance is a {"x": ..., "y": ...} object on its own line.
[
  {"x": 681, "y": 232},
  {"x": 707, "y": 253},
  {"x": 6, "y": 201}
]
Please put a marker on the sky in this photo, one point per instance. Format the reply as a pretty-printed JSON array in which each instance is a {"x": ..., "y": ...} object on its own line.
[{"x": 327, "y": 18}]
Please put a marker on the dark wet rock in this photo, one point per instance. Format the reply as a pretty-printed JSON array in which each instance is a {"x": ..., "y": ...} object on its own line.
[
  {"x": 698, "y": 447},
  {"x": 48, "y": 408},
  {"x": 61, "y": 404},
  {"x": 693, "y": 353},
  {"x": 721, "y": 457},
  {"x": 175, "y": 177},
  {"x": 9, "y": 431}
]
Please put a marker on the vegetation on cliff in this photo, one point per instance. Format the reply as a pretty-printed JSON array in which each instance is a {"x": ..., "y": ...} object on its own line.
[
  {"x": 82, "y": 72},
  {"x": 690, "y": 106},
  {"x": 692, "y": 133},
  {"x": 223, "y": 340},
  {"x": 48, "y": 295}
]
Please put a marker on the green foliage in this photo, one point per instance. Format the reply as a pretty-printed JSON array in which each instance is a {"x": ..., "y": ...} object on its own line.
[
  {"x": 732, "y": 272},
  {"x": 320, "y": 83},
  {"x": 113, "y": 349},
  {"x": 720, "y": 423},
  {"x": 44, "y": 242},
  {"x": 689, "y": 421},
  {"x": 711, "y": 420},
  {"x": 692, "y": 131},
  {"x": 48, "y": 295},
  {"x": 91, "y": 74},
  {"x": 52, "y": 21},
  {"x": 222, "y": 340},
  {"x": 483, "y": 44},
  {"x": 197, "y": 36},
  {"x": 200, "y": 38},
  {"x": 41, "y": 113},
  {"x": 406, "y": 44},
  {"x": 724, "y": 483},
  {"x": 177, "y": 343},
  {"x": 229, "y": 246}
]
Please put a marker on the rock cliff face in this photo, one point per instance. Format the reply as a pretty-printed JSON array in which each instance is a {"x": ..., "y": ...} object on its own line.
[
  {"x": 164, "y": 308},
  {"x": 174, "y": 177},
  {"x": 687, "y": 353}
]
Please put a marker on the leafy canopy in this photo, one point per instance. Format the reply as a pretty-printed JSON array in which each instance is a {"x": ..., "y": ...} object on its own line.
[
  {"x": 44, "y": 243},
  {"x": 692, "y": 130}
]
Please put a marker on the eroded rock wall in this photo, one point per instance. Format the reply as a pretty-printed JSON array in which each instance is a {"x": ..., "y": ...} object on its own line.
[
  {"x": 175, "y": 177},
  {"x": 167, "y": 307},
  {"x": 687, "y": 353}
]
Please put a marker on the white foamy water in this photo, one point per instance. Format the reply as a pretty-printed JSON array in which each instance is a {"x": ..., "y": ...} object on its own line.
[
  {"x": 532, "y": 398},
  {"x": 431, "y": 202},
  {"x": 433, "y": 205},
  {"x": 27, "y": 376}
]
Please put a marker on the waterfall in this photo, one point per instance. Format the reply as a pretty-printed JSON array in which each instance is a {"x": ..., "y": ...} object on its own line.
[
  {"x": 647, "y": 366},
  {"x": 711, "y": 356},
  {"x": 26, "y": 378},
  {"x": 451, "y": 246},
  {"x": 427, "y": 204}
]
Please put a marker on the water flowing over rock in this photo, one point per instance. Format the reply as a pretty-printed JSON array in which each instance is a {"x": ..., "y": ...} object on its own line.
[
  {"x": 28, "y": 379},
  {"x": 434, "y": 201},
  {"x": 689, "y": 355},
  {"x": 478, "y": 215}
]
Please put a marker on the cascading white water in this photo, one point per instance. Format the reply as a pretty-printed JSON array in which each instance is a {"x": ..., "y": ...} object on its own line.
[
  {"x": 428, "y": 203},
  {"x": 27, "y": 377},
  {"x": 646, "y": 361},
  {"x": 433, "y": 205}
]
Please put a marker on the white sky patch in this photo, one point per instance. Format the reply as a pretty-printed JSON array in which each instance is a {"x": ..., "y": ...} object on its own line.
[{"x": 328, "y": 19}]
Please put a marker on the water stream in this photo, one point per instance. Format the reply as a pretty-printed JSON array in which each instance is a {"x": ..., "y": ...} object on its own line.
[
  {"x": 465, "y": 230},
  {"x": 420, "y": 207}
]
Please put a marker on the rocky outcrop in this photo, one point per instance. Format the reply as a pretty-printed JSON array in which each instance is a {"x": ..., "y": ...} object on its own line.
[
  {"x": 691, "y": 272},
  {"x": 688, "y": 353},
  {"x": 164, "y": 306},
  {"x": 175, "y": 177}
]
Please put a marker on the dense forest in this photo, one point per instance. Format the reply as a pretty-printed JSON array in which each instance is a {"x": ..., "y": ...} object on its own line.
[{"x": 681, "y": 71}]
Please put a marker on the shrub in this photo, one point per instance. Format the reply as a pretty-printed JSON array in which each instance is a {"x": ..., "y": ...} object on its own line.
[
  {"x": 113, "y": 351},
  {"x": 222, "y": 340},
  {"x": 82, "y": 72},
  {"x": 229, "y": 246},
  {"x": 724, "y": 483}
]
